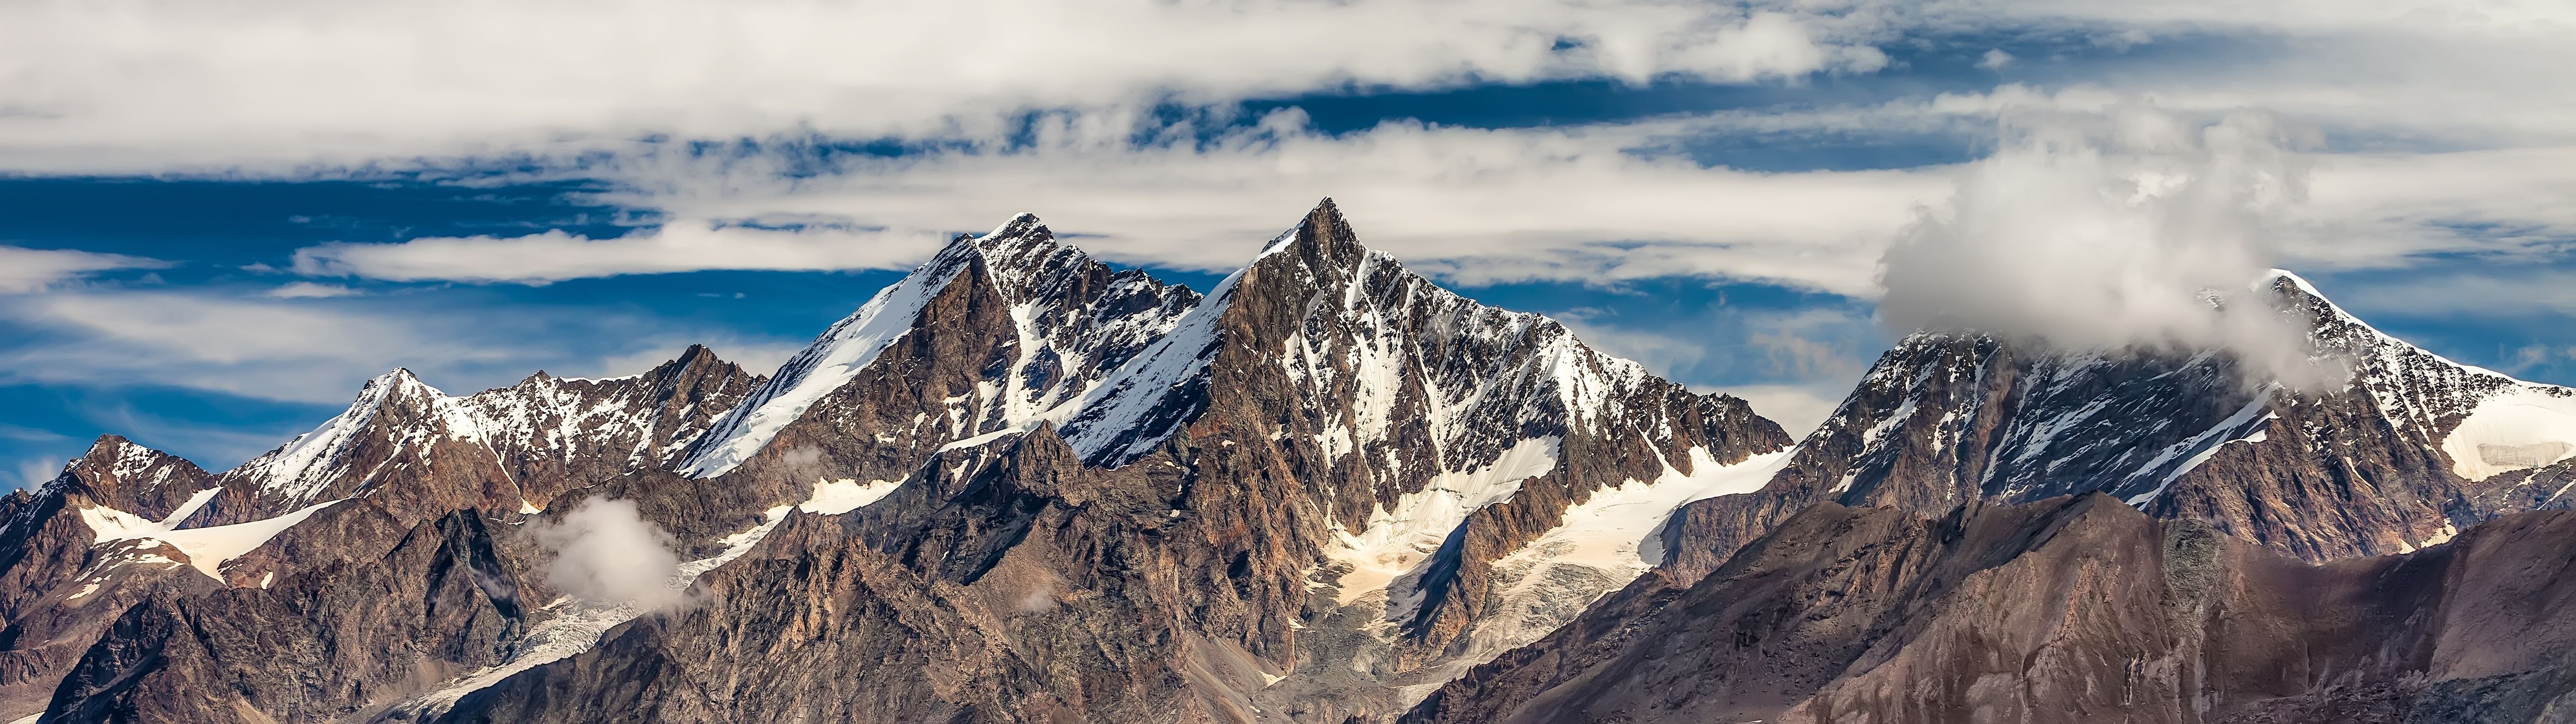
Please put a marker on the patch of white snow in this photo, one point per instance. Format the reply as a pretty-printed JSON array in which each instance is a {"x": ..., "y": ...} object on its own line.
[
  {"x": 833, "y": 497},
  {"x": 2518, "y": 428}
]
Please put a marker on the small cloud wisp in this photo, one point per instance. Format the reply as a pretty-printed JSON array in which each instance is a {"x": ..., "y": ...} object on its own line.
[{"x": 606, "y": 552}]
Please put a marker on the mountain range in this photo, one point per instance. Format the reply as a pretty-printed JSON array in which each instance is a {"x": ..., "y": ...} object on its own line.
[{"x": 1021, "y": 485}]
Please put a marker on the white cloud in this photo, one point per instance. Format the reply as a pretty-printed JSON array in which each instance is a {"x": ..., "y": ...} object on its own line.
[
  {"x": 2390, "y": 209},
  {"x": 253, "y": 348},
  {"x": 606, "y": 552},
  {"x": 276, "y": 84},
  {"x": 318, "y": 350},
  {"x": 1473, "y": 205},
  {"x": 2114, "y": 233},
  {"x": 34, "y": 472},
  {"x": 1589, "y": 203},
  {"x": 1995, "y": 59},
  {"x": 2530, "y": 356},
  {"x": 310, "y": 290},
  {"x": 25, "y": 271},
  {"x": 681, "y": 245}
]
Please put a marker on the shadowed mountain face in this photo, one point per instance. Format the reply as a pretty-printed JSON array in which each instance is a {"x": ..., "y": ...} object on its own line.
[
  {"x": 2072, "y": 609},
  {"x": 1020, "y": 486}
]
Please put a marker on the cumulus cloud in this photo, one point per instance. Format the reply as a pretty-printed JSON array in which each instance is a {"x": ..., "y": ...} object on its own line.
[
  {"x": 25, "y": 271},
  {"x": 277, "y": 84},
  {"x": 2139, "y": 230},
  {"x": 606, "y": 552}
]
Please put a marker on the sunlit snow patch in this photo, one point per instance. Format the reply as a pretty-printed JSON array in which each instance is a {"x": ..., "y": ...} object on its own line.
[
  {"x": 833, "y": 497},
  {"x": 2516, "y": 429},
  {"x": 207, "y": 549},
  {"x": 834, "y": 360},
  {"x": 1398, "y": 540},
  {"x": 1606, "y": 541}
]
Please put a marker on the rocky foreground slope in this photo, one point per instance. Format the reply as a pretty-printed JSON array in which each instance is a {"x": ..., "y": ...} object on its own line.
[{"x": 2069, "y": 609}]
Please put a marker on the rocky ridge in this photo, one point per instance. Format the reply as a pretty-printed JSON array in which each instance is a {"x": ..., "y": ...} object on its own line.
[
  {"x": 2410, "y": 449},
  {"x": 127, "y": 527}
]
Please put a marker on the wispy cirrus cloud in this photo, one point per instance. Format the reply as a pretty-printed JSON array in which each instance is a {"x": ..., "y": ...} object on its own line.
[
  {"x": 680, "y": 246},
  {"x": 24, "y": 270},
  {"x": 1595, "y": 202},
  {"x": 311, "y": 291},
  {"x": 320, "y": 350},
  {"x": 1476, "y": 206}
]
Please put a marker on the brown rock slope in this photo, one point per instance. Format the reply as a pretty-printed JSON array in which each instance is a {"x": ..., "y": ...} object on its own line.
[
  {"x": 2075, "y": 610},
  {"x": 2402, "y": 455},
  {"x": 126, "y": 526}
]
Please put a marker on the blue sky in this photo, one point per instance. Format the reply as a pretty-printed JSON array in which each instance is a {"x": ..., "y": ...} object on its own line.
[{"x": 207, "y": 242}]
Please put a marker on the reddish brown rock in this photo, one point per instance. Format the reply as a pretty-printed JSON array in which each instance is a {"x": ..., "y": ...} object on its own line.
[{"x": 2067, "y": 610}]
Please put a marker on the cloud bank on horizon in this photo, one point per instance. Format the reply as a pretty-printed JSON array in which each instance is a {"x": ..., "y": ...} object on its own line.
[{"x": 2098, "y": 156}]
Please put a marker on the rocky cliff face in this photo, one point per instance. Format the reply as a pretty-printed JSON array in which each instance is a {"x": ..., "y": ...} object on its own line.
[
  {"x": 2411, "y": 449},
  {"x": 2076, "y": 609},
  {"x": 1432, "y": 438}
]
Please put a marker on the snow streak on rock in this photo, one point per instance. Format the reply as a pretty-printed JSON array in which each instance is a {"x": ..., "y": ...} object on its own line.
[
  {"x": 1066, "y": 336},
  {"x": 545, "y": 424}
]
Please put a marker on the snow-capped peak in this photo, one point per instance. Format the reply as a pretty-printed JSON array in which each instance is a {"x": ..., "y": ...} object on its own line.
[
  {"x": 2495, "y": 423},
  {"x": 300, "y": 469},
  {"x": 2133, "y": 424},
  {"x": 1070, "y": 314},
  {"x": 601, "y": 426}
]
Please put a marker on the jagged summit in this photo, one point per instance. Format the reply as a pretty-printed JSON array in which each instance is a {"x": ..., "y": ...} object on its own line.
[
  {"x": 1069, "y": 317},
  {"x": 2409, "y": 449},
  {"x": 543, "y": 425},
  {"x": 1322, "y": 235},
  {"x": 1424, "y": 421}
]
